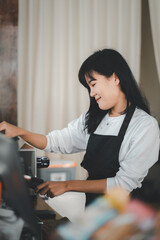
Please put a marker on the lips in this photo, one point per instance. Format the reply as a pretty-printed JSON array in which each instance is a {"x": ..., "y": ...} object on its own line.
[{"x": 97, "y": 99}]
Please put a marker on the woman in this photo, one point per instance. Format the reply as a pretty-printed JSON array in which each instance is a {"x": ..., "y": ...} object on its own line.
[{"x": 120, "y": 137}]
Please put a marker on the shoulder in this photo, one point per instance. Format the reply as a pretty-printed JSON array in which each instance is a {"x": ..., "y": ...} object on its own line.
[
  {"x": 78, "y": 123},
  {"x": 80, "y": 120},
  {"x": 140, "y": 117}
]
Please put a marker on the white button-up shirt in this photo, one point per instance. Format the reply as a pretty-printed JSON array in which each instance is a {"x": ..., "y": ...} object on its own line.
[{"x": 139, "y": 149}]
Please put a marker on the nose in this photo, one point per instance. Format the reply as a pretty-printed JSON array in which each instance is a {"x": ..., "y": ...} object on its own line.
[{"x": 92, "y": 93}]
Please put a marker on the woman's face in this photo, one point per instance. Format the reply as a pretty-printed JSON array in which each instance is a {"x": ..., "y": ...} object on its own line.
[{"x": 106, "y": 91}]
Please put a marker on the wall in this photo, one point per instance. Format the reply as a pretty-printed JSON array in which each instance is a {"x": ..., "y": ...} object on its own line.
[
  {"x": 149, "y": 82},
  {"x": 8, "y": 60}
]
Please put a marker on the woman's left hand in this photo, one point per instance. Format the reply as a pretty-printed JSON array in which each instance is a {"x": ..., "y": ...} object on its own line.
[{"x": 52, "y": 188}]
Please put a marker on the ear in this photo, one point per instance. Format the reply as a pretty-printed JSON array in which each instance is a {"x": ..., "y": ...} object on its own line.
[{"x": 117, "y": 81}]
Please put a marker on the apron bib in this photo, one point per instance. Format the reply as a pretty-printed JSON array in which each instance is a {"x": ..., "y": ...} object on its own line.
[{"x": 102, "y": 155}]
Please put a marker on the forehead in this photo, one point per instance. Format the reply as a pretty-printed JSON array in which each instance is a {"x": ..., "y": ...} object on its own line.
[{"x": 91, "y": 76}]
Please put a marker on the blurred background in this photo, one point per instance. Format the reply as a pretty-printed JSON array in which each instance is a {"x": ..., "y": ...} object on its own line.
[{"x": 43, "y": 44}]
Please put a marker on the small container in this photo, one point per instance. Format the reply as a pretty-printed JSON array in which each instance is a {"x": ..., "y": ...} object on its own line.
[{"x": 58, "y": 170}]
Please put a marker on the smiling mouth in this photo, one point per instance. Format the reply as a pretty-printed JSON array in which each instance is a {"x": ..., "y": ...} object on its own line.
[{"x": 98, "y": 99}]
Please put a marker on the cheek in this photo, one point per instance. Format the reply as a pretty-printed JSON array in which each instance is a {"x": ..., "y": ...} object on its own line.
[
  {"x": 110, "y": 97},
  {"x": 108, "y": 94}
]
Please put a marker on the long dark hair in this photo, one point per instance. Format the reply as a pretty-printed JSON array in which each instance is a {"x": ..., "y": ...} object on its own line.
[{"x": 106, "y": 62}]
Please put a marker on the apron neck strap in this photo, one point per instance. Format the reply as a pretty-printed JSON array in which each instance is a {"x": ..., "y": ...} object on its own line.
[{"x": 126, "y": 121}]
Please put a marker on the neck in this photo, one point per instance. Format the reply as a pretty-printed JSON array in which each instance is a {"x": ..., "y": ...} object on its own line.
[{"x": 118, "y": 109}]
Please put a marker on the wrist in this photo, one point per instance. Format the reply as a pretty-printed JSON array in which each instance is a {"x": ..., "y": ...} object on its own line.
[
  {"x": 68, "y": 186},
  {"x": 21, "y": 132}
]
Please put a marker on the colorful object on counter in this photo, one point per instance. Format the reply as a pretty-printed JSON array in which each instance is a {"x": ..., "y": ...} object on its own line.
[
  {"x": 137, "y": 222},
  {"x": 144, "y": 214},
  {"x": 114, "y": 216},
  {"x": 100, "y": 211},
  {"x": 118, "y": 198}
]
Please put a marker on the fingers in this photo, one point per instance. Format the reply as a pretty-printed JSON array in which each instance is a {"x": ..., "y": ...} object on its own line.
[
  {"x": 49, "y": 194},
  {"x": 42, "y": 185},
  {"x": 8, "y": 129},
  {"x": 44, "y": 189},
  {"x": 51, "y": 188},
  {"x": 3, "y": 127}
]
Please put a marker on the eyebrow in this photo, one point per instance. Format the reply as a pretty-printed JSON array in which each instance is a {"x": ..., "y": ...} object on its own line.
[{"x": 92, "y": 79}]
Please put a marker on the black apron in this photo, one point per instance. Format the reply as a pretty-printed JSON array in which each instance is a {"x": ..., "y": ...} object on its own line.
[{"x": 102, "y": 154}]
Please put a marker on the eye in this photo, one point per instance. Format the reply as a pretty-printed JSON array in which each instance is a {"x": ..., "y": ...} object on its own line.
[{"x": 93, "y": 84}]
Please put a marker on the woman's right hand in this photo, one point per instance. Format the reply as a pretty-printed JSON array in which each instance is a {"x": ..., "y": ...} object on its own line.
[{"x": 9, "y": 129}]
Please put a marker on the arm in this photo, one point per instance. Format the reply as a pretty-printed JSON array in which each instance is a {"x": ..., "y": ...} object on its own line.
[
  {"x": 54, "y": 188},
  {"x": 68, "y": 140},
  {"x": 71, "y": 139},
  {"x": 36, "y": 140},
  {"x": 139, "y": 152}
]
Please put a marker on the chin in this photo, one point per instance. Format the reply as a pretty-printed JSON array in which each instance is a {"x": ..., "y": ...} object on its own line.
[{"x": 104, "y": 108}]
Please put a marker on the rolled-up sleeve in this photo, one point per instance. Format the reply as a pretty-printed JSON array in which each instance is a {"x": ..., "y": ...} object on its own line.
[{"x": 71, "y": 139}]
